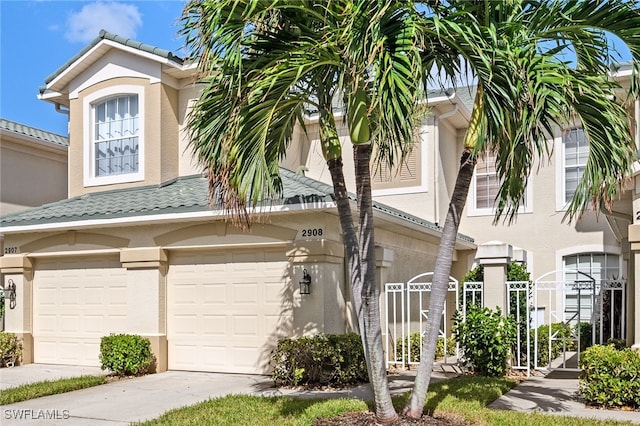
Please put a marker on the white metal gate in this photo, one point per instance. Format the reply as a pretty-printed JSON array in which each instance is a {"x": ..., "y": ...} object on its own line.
[
  {"x": 406, "y": 307},
  {"x": 563, "y": 330}
]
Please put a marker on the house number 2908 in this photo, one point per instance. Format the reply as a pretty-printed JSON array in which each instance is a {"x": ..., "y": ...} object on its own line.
[{"x": 312, "y": 232}]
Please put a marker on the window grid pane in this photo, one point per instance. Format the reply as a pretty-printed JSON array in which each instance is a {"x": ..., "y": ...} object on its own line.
[
  {"x": 487, "y": 184},
  {"x": 599, "y": 266},
  {"x": 116, "y": 141},
  {"x": 576, "y": 152}
]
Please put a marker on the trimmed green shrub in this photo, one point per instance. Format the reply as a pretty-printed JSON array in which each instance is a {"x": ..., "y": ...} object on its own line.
[
  {"x": 609, "y": 376},
  {"x": 486, "y": 338},
  {"x": 127, "y": 355},
  {"x": 10, "y": 349},
  {"x": 412, "y": 343},
  {"x": 331, "y": 359}
]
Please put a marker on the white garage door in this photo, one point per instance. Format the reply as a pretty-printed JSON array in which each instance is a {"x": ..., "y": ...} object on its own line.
[
  {"x": 76, "y": 302},
  {"x": 226, "y": 310}
]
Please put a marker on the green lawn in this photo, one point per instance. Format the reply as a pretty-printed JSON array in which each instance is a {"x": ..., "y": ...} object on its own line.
[
  {"x": 465, "y": 397},
  {"x": 49, "y": 387}
]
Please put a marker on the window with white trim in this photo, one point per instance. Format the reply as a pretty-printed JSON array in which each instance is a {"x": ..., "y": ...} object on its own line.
[
  {"x": 486, "y": 185},
  {"x": 114, "y": 136},
  {"x": 486, "y": 181},
  {"x": 576, "y": 152}
]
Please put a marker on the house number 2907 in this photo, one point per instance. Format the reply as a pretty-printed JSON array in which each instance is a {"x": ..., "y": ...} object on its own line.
[
  {"x": 10, "y": 250},
  {"x": 312, "y": 232}
]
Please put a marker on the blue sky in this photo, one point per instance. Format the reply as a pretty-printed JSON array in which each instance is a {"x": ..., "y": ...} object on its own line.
[{"x": 37, "y": 37}]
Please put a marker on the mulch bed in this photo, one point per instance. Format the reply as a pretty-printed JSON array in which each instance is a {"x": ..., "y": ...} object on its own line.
[{"x": 369, "y": 418}]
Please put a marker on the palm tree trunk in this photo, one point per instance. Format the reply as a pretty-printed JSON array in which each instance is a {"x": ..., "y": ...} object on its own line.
[
  {"x": 369, "y": 317},
  {"x": 349, "y": 237},
  {"x": 415, "y": 404},
  {"x": 332, "y": 151}
]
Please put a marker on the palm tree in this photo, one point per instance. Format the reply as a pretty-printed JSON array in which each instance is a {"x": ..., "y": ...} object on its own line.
[
  {"x": 263, "y": 65},
  {"x": 524, "y": 92}
]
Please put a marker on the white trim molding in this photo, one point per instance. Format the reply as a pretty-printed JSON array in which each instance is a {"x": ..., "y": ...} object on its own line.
[{"x": 88, "y": 147}]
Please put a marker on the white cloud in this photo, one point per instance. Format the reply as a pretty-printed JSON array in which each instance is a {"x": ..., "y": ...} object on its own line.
[{"x": 118, "y": 18}]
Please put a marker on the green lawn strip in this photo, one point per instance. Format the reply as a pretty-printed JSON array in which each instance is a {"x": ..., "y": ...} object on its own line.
[
  {"x": 468, "y": 396},
  {"x": 464, "y": 397},
  {"x": 258, "y": 411},
  {"x": 48, "y": 387}
]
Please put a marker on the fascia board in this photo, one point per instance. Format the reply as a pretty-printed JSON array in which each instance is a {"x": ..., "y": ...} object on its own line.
[{"x": 154, "y": 219}]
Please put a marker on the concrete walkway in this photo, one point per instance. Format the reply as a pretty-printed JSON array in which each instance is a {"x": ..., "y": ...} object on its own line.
[
  {"x": 133, "y": 400},
  {"x": 556, "y": 393}
]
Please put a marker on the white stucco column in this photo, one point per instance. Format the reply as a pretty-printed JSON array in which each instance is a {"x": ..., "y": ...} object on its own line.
[
  {"x": 146, "y": 297},
  {"x": 633, "y": 287},
  {"x": 384, "y": 260},
  {"x": 495, "y": 256},
  {"x": 18, "y": 272}
]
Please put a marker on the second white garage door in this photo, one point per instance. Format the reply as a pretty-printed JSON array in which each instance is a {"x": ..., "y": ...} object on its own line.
[{"x": 226, "y": 310}]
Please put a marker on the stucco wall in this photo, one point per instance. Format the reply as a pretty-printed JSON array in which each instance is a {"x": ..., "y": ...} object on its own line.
[
  {"x": 41, "y": 172},
  {"x": 542, "y": 232}
]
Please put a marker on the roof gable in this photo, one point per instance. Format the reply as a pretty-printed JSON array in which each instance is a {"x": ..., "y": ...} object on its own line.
[{"x": 56, "y": 83}]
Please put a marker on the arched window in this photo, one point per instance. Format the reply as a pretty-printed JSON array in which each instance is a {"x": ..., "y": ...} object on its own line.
[{"x": 116, "y": 136}]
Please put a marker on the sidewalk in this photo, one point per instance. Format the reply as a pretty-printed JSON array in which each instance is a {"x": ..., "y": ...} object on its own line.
[{"x": 556, "y": 394}]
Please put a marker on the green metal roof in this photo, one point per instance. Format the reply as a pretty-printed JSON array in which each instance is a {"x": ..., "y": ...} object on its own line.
[
  {"x": 105, "y": 35},
  {"x": 23, "y": 129},
  {"x": 183, "y": 195}
]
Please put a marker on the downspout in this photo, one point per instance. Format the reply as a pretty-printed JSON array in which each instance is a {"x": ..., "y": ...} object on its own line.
[
  {"x": 60, "y": 110},
  {"x": 436, "y": 156},
  {"x": 63, "y": 111}
]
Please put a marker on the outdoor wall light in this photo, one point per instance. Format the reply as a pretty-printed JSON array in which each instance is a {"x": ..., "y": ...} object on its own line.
[
  {"x": 10, "y": 293},
  {"x": 305, "y": 283}
]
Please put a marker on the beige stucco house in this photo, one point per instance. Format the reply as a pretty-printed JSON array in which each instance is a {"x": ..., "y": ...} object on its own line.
[
  {"x": 604, "y": 245},
  {"x": 136, "y": 248}
]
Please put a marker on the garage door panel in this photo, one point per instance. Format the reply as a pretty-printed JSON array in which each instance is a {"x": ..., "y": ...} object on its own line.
[
  {"x": 245, "y": 293},
  {"x": 215, "y": 293},
  {"x": 237, "y": 304},
  {"x": 245, "y": 325},
  {"x": 214, "y": 325},
  {"x": 186, "y": 325},
  {"x": 93, "y": 324},
  {"x": 70, "y": 296},
  {"x": 70, "y": 323}
]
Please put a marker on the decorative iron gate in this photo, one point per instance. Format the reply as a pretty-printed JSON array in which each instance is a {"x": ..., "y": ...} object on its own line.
[
  {"x": 406, "y": 307},
  {"x": 551, "y": 333},
  {"x": 598, "y": 314}
]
